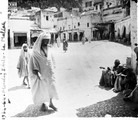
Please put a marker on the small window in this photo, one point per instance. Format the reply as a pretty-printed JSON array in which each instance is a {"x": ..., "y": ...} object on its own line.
[
  {"x": 46, "y": 17},
  {"x": 87, "y": 24}
]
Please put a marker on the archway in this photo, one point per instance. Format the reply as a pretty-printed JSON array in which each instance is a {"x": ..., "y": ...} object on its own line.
[
  {"x": 123, "y": 32},
  {"x": 75, "y": 36},
  {"x": 52, "y": 39},
  {"x": 81, "y": 35},
  {"x": 70, "y": 37},
  {"x": 19, "y": 39},
  {"x": 118, "y": 33}
]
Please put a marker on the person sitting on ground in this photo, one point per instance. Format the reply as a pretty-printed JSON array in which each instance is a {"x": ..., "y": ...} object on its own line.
[
  {"x": 109, "y": 75},
  {"x": 131, "y": 96},
  {"x": 22, "y": 65},
  {"x": 125, "y": 80}
]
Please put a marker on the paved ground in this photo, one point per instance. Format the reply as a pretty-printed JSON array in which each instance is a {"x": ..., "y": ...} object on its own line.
[{"x": 77, "y": 76}]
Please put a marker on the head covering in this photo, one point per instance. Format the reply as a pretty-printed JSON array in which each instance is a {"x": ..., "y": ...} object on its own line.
[
  {"x": 23, "y": 62},
  {"x": 22, "y": 49},
  {"x": 37, "y": 44},
  {"x": 117, "y": 62},
  {"x": 44, "y": 89}
]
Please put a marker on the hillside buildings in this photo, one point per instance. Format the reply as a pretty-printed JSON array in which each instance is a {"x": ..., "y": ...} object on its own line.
[{"x": 99, "y": 19}]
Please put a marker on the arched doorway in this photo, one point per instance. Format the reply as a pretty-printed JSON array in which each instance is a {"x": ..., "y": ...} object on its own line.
[
  {"x": 70, "y": 37},
  {"x": 123, "y": 32},
  {"x": 118, "y": 33},
  {"x": 19, "y": 39},
  {"x": 52, "y": 39},
  {"x": 75, "y": 36},
  {"x": 81, "y": 35}
]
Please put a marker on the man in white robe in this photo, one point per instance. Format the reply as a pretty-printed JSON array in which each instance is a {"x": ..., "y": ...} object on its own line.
[
  {"x": 41, "y": 73},
  {"x": 22, "y": 65}
]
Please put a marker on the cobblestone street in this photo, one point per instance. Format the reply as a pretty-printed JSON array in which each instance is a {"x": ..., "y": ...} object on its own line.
[{"x": 77, "y": 76}]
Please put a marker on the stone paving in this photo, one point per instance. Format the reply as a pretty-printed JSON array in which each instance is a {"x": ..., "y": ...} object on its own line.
[{"x": 77, "y": 76}]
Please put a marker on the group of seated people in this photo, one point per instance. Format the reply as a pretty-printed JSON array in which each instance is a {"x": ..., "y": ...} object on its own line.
[{"x": 119, "y": 77}]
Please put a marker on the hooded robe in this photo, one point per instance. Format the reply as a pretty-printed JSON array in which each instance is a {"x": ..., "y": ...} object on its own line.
[{"x": 43, "y": 87}]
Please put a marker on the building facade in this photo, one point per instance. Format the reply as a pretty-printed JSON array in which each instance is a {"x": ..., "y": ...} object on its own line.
[
  {"x": 12, "y": 6},
  {"x": 87, "y": 5},
  {"x": 123, "y": 30},
  {"x": 45, "y": 19},
  {"x": 18, "y": 31},
  {"x": 75, "y": 26}
]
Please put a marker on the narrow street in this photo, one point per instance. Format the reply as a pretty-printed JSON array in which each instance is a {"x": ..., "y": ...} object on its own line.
[{"x": 77, "y": 76}]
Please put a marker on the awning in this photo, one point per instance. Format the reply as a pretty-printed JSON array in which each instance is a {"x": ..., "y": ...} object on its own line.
[
  {"x": 51, "y": 30},
  {"x": 35, "y": 34},
  {"x": 94, "y": 29},
  {"x": 35, "y": 28}
]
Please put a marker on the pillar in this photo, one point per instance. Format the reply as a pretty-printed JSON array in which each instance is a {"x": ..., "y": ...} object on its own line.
[
  {"x": 72, "y": 36},
  {"x": 78, "y": 36},
  {"x": 11, "y": 39},
  {"x": 134, "y": 38},
  {"x": 28, "y": 39}
]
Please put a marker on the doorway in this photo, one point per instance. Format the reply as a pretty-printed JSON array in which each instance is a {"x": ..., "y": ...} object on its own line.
[{"x": 19, "y": 39}]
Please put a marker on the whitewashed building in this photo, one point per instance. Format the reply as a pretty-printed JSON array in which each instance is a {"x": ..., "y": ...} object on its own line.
[
  {"x": 18, "y": 31},
  {"x": 46, "y": 21},
  {"x": 74, "y": 27}
]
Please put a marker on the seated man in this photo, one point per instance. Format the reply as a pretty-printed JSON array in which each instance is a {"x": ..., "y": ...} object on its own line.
[
  {"x": 109, "y": 75},
  {"x": 125, "y": 80},
  {"x": 133, "y": 95}
]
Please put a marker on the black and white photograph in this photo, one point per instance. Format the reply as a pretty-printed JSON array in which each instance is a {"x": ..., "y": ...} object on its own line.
[{"x": 69, "y": 59}]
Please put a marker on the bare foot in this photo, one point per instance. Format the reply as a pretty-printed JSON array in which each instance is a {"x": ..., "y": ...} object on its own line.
[
  {"x": 24, "y": 83},
  {"x": 53, "y": 107},
  {"x": 44, "y": 108}
]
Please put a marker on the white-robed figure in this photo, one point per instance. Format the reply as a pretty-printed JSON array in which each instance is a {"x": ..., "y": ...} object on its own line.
[
  {"x": 22, "y": 65},
  {"x": 41, "y": 73}
]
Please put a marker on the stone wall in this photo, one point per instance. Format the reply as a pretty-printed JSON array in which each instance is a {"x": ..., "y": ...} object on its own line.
[{"x": 134, "y": 39}]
